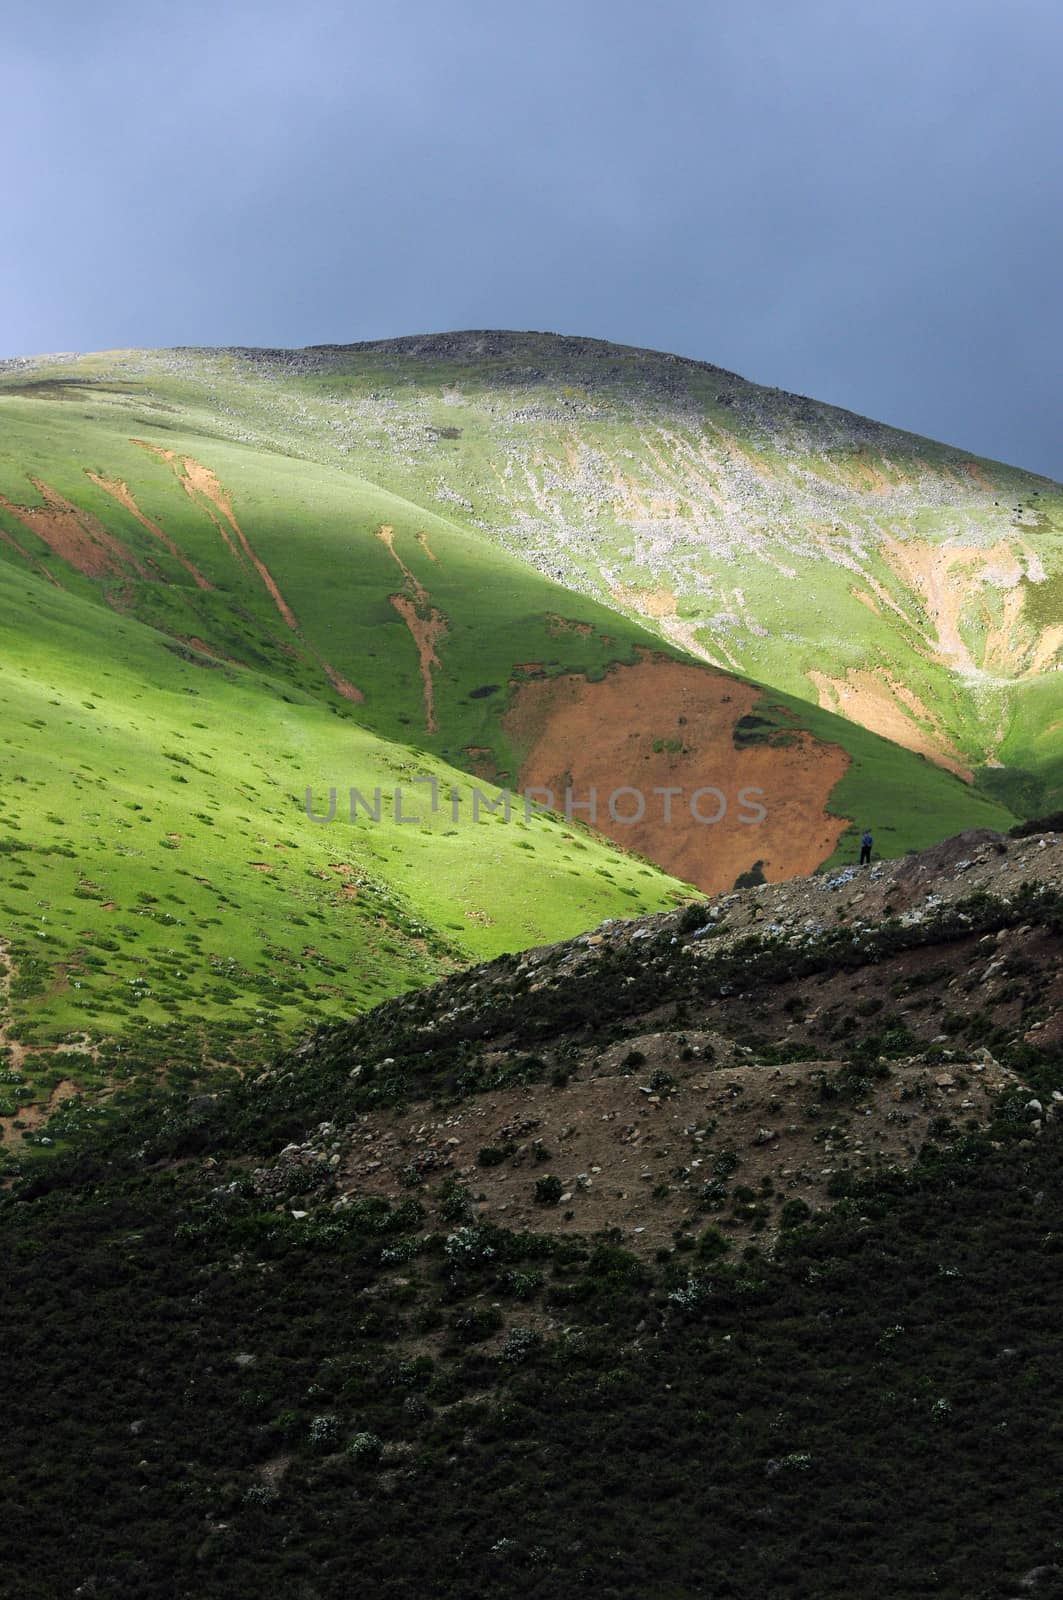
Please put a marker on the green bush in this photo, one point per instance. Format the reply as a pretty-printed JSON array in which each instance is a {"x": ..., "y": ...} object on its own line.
[
  {"x": 548, "y": 1190},
  {"x": 692, "y": 916},
  {"x": 365, "y": 1448}
]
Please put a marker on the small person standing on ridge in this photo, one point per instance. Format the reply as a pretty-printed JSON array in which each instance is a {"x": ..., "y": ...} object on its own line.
[{"x": 865, "y": 848}]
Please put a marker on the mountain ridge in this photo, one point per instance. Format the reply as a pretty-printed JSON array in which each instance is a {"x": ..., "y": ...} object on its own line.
[
  {"x": 944, "y": 565},
  {"x": 426, "y": 566}
]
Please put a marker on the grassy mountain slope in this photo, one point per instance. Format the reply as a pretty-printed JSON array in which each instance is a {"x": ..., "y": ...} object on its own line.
[
  {"x": 909, "y": 586},
  {"x": 210, "y": 606},
  {"x": 684, "y": 1258},
  {"x": 165, "y": 901},
  {"x": 420, "y": 627}
]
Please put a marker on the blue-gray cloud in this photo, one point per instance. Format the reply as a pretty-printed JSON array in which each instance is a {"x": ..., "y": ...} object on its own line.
[{"x": 854, "y": 201}]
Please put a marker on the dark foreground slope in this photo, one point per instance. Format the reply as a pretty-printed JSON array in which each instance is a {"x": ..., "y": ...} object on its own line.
[{"x": 326, "y": 1331}]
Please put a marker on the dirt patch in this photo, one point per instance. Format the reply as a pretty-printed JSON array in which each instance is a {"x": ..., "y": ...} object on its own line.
[
  {"x": 664, "y": 725},
  {"x": 209, "y": 650},
  {"x": 120, "y": 491},
  {"x": 202, "y": 484},
  {"x": 386, "y": 534},
  {"x": 480, "y": 761},
  {"x": 33, "y": 1117},
  {"x": 16, "y": 1053},
  {"x": 645, "y": 602},
  {"x": 631, "y": 1157},
  {"x": 171, "y": 459},
  {"x": 422, "y": 540},
  {"x": 10, "y": 540},
  {"x": 952, "y": 581},
  {"x": 76, "y": 536},
  {"x": 204, "y": 488},
  {"x": 426, "y": 623},
  {"x": 874, "y": 701},
  {"x": 426, "y": 630},
  {"x": 557, "y": 626},
  {"x": 272, "y": 1472},
  {"x": 867, "y": 476},
  {"x": 342, "y": 685},
  {"x": 1003, "y": 634}
]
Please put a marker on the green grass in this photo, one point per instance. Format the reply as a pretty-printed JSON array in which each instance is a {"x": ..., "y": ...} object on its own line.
[
  {"x": 164, "y": 892},
  {"x": 766, "y": 511}
]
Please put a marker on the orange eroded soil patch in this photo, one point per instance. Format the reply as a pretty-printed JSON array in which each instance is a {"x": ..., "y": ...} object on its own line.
[
  {"x": 426, "y": 632},
  {"x": 647, "y": 602},
  {"x": 891, "y": 709},
  {"x": 342, "y": 685},
  {"x": 204, "y": 485},
  {"x": 204, "y": 488},
  {"x": 74, "y": 535},
  {"x": 422, "y": 540},
  {"x": 209, "y": 649},
  {"x": 580, "y": 735},
  {"x": 171, "y": 460},
  {"x": 386, "y": 534},
  {"x": 9, "y": 539},
  {"x": 426, "y": 623},
  {"x": 1002, "y": 634},
  {"x": 1045, "y": 651},
  {"x": 952, "y": 581},
  {"x": 121, "y": 492}
]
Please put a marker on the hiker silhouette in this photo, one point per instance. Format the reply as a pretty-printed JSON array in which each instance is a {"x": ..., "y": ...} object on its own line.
[{"x": 865, "y": 848}]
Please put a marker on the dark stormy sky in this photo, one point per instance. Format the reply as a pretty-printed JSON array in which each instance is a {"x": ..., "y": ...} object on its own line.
[{"x": 857, "y": 200}]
